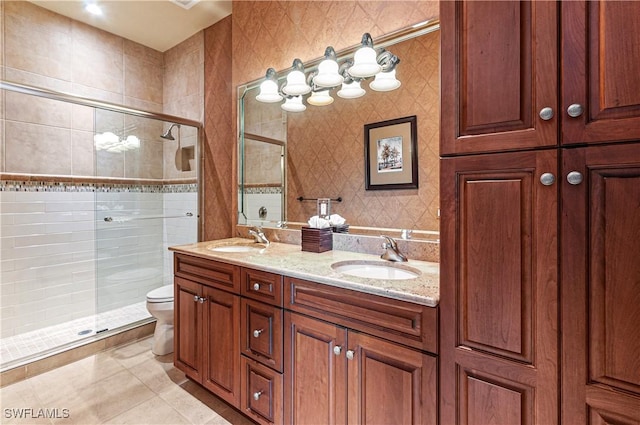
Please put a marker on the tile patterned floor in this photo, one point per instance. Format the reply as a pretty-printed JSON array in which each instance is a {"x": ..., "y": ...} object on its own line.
[
  {"x": 124, "y": 385},
  {"x": 35, "y": 343}
]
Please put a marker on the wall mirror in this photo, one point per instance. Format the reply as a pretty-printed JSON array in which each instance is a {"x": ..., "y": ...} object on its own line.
[{"x": 287, "y": 160}]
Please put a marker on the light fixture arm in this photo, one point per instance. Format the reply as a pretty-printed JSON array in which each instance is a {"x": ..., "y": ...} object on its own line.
[
  {"x": 367, "y": 40},
  {"x": 387, "y": 60}
]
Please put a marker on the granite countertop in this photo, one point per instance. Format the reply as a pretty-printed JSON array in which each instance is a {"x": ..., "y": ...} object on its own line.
[{"x": 290, "y": 260}]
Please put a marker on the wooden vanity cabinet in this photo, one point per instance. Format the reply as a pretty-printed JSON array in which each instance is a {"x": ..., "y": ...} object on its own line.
[
  {"x": 336, "y": 373},
  {"x": 207, "y": 335}
]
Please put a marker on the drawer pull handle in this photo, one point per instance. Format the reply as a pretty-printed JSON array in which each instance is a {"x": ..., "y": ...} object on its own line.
[
  {"x": 256, "y": 286},
  {"x": 350, "y": 354},
  {"x": 256, "y": 396},
  {"x": 257, "y": 332},
  {"x": 337, "y": 350}
]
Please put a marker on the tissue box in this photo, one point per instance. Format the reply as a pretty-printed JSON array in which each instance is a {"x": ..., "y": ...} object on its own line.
[{"x": 317, "y": 240}]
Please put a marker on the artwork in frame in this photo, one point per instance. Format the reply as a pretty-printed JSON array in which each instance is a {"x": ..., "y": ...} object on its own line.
[{"x": 391, "y": 155}]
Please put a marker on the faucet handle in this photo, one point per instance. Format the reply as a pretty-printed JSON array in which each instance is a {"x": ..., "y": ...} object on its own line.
[{"x": 390, "y": 242}]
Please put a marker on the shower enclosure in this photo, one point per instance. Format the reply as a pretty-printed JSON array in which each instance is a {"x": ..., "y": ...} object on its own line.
[{"x": 91, "y": 196}]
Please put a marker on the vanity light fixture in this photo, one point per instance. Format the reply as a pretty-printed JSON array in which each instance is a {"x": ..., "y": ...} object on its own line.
[
  {"x": 328, "y": 75},
  {"x": 348, "y": 76},
  {"x": 296, "y": 81},
  {"x": 386, "y": 80},
  {"x": 320, "y": 98},
  {"x": 293, "y": 104},
  {"x": 269, "y": 88},
  {"x": 365, "y": 62}
]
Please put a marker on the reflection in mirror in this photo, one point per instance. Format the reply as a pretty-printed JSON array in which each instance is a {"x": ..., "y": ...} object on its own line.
[{"x": 324, "y": 146}]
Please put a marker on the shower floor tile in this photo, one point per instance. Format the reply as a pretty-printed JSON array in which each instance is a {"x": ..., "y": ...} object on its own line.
[{"x": 35, "y": 343}]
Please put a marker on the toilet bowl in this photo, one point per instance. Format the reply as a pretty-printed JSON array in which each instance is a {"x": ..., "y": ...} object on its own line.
[{"x": 160, "y": 306}]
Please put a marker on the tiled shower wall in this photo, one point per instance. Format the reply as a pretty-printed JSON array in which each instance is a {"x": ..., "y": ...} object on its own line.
[{"x": 49, "y": 235}]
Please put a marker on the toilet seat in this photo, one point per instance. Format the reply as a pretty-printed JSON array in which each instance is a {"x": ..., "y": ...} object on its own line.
[{"x": 163, "y": 294}]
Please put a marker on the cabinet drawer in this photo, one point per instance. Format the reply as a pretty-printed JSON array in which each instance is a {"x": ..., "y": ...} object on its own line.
[
  {"x": 262, "y": 393},
  {"x": 262, "y": 286},
  {"x": 407, "y": 323},
  {"x": 208, "y": 272},
  {"x": 261, "y": 333}
]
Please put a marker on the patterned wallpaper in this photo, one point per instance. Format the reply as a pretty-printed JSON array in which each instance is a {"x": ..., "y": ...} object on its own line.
[
  {"x": 220, "y": 141},
  {"x": 272, "y": 34}
]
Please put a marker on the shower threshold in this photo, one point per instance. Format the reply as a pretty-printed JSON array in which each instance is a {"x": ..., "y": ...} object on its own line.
[{"x": 34, "y": 345}]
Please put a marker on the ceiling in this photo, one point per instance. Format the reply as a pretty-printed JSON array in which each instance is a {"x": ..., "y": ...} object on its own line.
[{"x": 159, "y": 24}]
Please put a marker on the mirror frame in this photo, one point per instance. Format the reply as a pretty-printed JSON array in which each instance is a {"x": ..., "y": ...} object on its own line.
[{"x": 384, "y": 41}]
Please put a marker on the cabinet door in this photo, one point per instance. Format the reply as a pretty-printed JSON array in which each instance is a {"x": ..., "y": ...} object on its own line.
[
  {"x": 389, "y": 383},
  {"x": 601, "y": 286},
  {"x": 498, "y": 72},
  {"x": 600, "y": 71},
  {"x": 188, "y": 324},
  {"x": 315, "y": 371},
  {"x": 222, "y": 345},
  {"x": 498, "y": 289}
]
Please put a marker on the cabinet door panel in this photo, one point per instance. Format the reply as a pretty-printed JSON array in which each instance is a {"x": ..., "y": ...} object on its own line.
[
  {"x": 390, "y": 384},
  {"x": 315, "y": 388},
  {"x": 261, "y": 333},
  {"x": 499, "y": 283},
  {"x": 499, "y": 69},
  {"x": 600, "y": 63},
  {"x": 601, "y": 281},
  {"x": 222, "y": 345},
  {"x": 262, "y": 394},
  {"x": 187, "y": 320}
]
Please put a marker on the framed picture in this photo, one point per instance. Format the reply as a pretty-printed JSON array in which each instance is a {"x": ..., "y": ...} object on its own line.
[{"x": 391, "y": 154}]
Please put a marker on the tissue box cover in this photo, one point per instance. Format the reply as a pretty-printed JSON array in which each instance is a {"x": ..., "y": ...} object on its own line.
[{"x": 317, "y": 240}]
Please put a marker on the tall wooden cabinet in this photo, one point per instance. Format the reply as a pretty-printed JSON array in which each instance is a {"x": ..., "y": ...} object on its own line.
[{"x": 540, "y": 282}]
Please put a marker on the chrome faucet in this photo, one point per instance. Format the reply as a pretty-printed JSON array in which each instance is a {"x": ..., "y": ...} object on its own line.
[
  {"x": 258, "y": 235},
  {"x": 391, "y": 253}
]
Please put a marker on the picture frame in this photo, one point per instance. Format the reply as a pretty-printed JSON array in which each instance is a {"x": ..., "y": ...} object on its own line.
[{"x": 391, "y": 154}]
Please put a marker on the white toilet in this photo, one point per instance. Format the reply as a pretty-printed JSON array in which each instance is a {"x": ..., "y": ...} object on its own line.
[{"x": 160, "y": 305}]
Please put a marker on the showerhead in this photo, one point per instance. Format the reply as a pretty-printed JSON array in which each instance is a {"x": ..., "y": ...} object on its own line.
[{"x": 167, "y": 134}]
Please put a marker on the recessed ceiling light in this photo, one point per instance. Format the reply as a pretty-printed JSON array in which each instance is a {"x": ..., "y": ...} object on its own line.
[{"x": 93, "y": 8}]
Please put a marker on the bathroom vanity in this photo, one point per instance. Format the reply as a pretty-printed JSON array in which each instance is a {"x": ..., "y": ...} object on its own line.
[{"x": 285, "y": 337}]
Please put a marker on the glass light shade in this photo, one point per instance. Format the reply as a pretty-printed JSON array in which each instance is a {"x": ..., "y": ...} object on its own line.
[
  {"x": 385, "y": 81},
  {"x": 269, "y": 92},
  {"x": 364, "y": 63},
  {"x": 351, "y": 90},
  {"x": 320, "y": 98},
  {"x": 328, "y": 74},
  {"x": 293, "y": 104},
  {"x": 296, "y": 84}
]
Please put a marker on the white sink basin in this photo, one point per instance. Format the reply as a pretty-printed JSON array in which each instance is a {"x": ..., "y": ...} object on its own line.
[
  {"x": 236, "y": 248},
  {"x": 376, "y": 270}
]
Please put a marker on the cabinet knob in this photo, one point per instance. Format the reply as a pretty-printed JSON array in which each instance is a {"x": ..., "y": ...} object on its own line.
[
  {"x": 575, "y": 110},
  {"x": 547, "y": 179},
  {"x": 256, "y": 286},
  {"x": 350, "y": 354},
  {"x": 257, "y": 332},
  {"x": 574, "y": 177},
  {"x": 196, "y": 298},
  {"x": 256, "y": 396},
  {"x": 202, "y": 300},
  {"x": 337, "y": 350},
  {"x": 546, "y": 113}
]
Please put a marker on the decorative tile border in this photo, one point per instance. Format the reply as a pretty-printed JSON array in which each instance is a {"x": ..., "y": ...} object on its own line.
[
  {"x": 48, "y": 186},
  {"x": 262, "y": 190}
]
